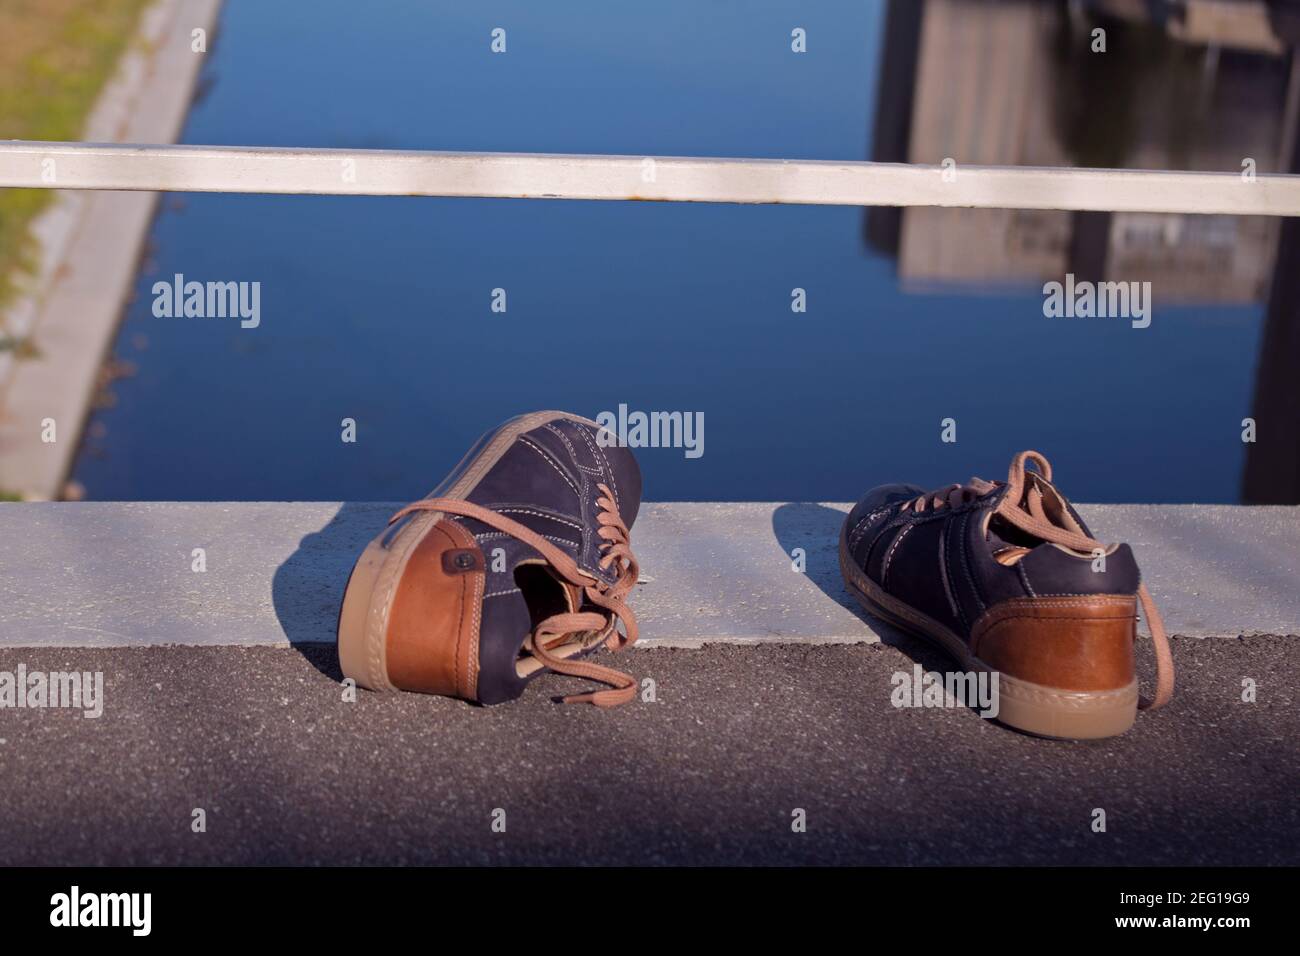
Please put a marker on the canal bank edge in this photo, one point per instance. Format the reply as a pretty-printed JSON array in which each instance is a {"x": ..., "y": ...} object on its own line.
[{"x": 91, "y": 244}]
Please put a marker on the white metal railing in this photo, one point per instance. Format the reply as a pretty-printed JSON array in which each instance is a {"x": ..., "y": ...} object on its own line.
[{"x": 671, "y": 179}]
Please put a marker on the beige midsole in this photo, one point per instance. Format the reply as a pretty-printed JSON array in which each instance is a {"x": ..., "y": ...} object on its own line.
[{"x": 363, "y": 620}]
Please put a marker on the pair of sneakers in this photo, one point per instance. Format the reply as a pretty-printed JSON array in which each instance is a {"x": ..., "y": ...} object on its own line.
[{"x": 520, "y": 563}]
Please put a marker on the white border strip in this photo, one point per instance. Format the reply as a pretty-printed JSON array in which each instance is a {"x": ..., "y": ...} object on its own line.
[{"x": 671, "y": 179}]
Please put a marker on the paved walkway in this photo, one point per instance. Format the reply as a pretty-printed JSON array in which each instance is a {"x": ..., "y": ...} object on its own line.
[{"x": 288, "y": 772}]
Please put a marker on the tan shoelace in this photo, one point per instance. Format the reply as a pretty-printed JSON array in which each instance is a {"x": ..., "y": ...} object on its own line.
[
  {"x": 559, "y": 628},
  {"x": 1032, "y": 518}
]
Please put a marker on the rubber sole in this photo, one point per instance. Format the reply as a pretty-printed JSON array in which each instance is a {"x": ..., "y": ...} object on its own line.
[
  {"x": 1032, "y": 708},
  {"x": 373, "y": 584}
]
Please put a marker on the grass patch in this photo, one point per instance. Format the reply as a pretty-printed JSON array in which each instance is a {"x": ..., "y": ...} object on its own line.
[{"x": 55, "y": 57}]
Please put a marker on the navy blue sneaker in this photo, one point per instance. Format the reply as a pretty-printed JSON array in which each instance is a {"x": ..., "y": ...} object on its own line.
[
  {"x": 518, "y": 563},
  {"x": 1007, "y": 578}
]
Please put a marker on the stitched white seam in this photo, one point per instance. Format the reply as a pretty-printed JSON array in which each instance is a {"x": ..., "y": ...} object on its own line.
[
  {"x": 889, "y": 555},
  {"x": 587, "y": 438},
  {"x": 564, "y": 438},
  {"x": 584, "y": 502},
  {"x": 597, "y": 450},
  {"x": 471, "y": 658},
  {"x": 1084, "y": 594},
  {"x": 500, "y": 593},
  {"x": 1116, "y": 600},
  {"x": 1024, "y": 578},
  {"x": 538, "y": 514},
  {"x": 550, "y": 461},
  {"x": 880, "y": 533},
  {"x": 573, "y": 452},
  {"x": 858, "y": 529},
  {"x": 552, "y": 537}
]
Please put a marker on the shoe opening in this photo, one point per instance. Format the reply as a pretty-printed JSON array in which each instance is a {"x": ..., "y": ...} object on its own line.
[{"x": 546, "y": 596}]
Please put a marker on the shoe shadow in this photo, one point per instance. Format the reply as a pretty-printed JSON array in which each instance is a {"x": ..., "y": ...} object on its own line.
[
  {"x": 308, "y": 586},
  {"x": 816, "y": 529}
]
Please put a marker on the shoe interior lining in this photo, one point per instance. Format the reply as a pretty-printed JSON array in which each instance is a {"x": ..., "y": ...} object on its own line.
[{"x": 545, "y": 596}]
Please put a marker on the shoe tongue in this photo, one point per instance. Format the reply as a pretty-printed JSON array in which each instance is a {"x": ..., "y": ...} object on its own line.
[
  {"x": 1052, "y": 505},
  {"x": 1040, "y": 499}
]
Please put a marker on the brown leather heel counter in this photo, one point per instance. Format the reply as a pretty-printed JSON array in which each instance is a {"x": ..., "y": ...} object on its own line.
[
  {"x": 1072, "y": 643},
  {"x": 433, "y": 627}
]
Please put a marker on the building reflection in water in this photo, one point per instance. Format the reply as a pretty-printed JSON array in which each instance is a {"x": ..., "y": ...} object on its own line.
[{"x": 1191, "y": 84}]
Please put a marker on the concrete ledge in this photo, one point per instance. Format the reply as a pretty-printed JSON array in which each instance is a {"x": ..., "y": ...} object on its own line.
[{"x": 119, "y": 574}]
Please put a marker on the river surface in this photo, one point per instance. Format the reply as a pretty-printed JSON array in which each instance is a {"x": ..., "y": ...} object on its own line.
[{"x": 380, "y": 310}]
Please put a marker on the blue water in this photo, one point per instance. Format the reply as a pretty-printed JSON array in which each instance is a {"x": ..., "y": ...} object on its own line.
[{"x": 378, "y": 309}]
